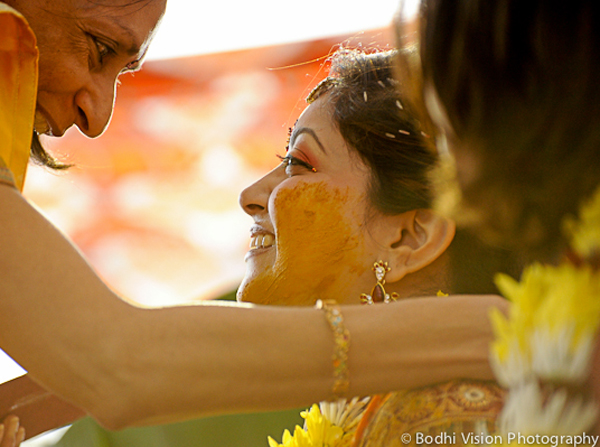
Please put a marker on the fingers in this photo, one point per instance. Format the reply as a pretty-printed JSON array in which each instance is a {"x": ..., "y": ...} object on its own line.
[
  {"x": 11, "y": 434},
  {"x": 20, "y": 436}
]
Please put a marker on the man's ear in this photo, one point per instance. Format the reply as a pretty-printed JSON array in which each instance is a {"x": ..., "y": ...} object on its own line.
[{"x": 421, "y": 237}]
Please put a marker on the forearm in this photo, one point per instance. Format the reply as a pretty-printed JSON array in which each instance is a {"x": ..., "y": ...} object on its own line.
[
  {"x": 266, "y": 359},
  {"x": 231, "y": 359},
  {"x": 204, "y": 360},
  {"x": 420, "y": 341}
]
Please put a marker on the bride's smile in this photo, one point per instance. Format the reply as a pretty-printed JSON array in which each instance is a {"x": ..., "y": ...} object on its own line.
[{"x": 261, "y": 240}]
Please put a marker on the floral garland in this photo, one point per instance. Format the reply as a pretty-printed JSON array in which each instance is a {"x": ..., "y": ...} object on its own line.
[
  {"x": 543, "y": 350},
  {"x": 329, "y": 424}
]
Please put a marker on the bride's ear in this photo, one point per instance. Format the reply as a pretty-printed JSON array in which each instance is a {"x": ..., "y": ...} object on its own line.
[{"x": 420, "y": 237}]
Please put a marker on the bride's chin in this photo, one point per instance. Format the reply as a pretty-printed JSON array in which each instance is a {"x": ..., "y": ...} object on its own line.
[
  {"x": 241, "y": 295},
  {"x": 250, "y": 289}
]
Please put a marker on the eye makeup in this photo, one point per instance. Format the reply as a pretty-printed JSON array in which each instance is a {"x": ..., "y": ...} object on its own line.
[{"x": 290, "y": 161}]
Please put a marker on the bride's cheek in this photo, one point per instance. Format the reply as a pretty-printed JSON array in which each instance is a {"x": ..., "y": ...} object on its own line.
[{"x": 312, "y": 221}]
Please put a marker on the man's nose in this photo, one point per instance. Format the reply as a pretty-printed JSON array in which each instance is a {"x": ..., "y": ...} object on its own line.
[{"x": 95, "y": 104}]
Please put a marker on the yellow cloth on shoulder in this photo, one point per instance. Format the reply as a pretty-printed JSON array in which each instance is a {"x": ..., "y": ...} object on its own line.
[{"x": 18, "y": 90}]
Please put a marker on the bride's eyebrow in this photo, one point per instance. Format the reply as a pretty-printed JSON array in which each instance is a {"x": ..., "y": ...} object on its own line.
[{"x": 300, "y": 130}]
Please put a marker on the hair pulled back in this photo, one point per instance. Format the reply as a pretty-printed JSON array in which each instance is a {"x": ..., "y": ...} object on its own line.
[{"x": 368, "y": 107}]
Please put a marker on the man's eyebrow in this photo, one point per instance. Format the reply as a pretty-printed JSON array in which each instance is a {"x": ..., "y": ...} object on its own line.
[
  {"x": 129, "y": 42},
  {"x": 300, "y": 130},
  {"x": 135, "y": 48}
]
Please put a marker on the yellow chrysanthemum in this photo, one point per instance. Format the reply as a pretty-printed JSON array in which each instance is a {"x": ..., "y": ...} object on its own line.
[
  {"x": 554, "y": 316},
  {"x": 319, "y": 432}
]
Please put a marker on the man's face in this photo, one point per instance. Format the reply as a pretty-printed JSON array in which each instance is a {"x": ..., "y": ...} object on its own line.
[{"x": 84, "y": 46}]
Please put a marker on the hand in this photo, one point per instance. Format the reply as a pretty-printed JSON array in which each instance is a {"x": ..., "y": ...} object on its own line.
[{"x": 11, "y": 434}]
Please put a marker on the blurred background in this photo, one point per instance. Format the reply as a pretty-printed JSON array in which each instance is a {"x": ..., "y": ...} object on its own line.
[{"x": 153, "y": 203}]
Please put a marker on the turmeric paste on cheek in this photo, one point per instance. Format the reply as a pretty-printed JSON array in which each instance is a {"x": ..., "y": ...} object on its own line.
[{"x": 316, "y": 247}]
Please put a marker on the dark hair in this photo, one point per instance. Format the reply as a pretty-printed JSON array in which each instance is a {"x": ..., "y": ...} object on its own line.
[
  {"x": 370, "y": 112},
  {"x": 519, "y": 84}
]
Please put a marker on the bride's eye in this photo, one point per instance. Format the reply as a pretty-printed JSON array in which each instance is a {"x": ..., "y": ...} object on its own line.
[{"x": 294, "y": 165}]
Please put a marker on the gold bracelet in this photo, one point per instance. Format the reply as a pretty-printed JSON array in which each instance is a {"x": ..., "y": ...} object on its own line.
[{"x": 341, "y": 338}]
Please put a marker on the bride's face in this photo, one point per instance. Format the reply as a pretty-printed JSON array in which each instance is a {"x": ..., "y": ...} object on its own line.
[{"x": 311, "y": 236}]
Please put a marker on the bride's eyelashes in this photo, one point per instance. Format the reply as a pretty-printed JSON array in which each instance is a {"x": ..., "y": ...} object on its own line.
[{"x": 292, "y": 164}]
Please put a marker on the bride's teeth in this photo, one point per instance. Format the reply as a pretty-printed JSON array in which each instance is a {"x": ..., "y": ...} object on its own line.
[
  {"x": 268, "y": 240},
  {"x": 261, "y": 241}
]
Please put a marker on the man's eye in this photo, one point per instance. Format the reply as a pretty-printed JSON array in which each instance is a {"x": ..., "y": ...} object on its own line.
[{"x": 102, "y": 49}]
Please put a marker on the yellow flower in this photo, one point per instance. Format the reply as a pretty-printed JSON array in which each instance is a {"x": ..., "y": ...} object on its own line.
[
  {"x": 319, "y": 432},
  {"x": 551, "y": 325}
]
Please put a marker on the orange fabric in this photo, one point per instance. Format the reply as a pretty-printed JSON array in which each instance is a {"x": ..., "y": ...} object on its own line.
[
  {"x": 18, "y": 89},
  {"x": 448, "y": 409},
  {"x": 370, "y": 412}
]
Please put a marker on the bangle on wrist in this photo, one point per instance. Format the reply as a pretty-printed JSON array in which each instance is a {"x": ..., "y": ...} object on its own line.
[{"x": 341, "y": 339}]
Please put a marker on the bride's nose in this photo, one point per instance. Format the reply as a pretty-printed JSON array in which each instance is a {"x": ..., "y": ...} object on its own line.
[{"x": 255, "y": 198}]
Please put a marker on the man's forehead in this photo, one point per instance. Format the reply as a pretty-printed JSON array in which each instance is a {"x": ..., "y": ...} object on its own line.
[{"x": 114, "y": 8}]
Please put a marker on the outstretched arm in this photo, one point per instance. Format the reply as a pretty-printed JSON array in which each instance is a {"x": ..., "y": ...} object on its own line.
[{"x": 128, "y": 365}]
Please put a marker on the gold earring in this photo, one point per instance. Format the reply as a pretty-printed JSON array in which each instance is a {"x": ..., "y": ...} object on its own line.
[{"x": 378, "y": 294}]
